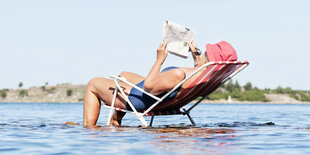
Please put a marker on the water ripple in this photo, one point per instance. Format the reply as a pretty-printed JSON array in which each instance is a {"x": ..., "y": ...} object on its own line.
[{"x": 227, "y": 129}]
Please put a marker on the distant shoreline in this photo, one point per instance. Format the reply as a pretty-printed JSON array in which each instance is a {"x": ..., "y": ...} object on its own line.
[
  {"x": 69, "y": 93},
  {"x": 203, "y": 102}
]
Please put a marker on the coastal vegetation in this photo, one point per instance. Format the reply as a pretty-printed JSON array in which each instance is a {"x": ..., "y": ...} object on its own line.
[
  {"x": 23, "y": 93},
  {"x": 3, "y": 93},
  {"x": 47, "y": 89},
  {"x": 231, "y": 91},
  {"x": 20, "y": 84},
  {"x": 250, "y": 93},
  {"x": 69, "y": 92},
  {"x": 300, "y": 95},
  {"x": 58, "y": 93}
]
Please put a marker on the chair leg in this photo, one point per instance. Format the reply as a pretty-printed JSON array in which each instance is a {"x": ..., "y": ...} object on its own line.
[
  {"x": 190, "y": 118},
  {"x": 112, "y": 105},
  {"x": 142, "y": 119},
  {"x": 110, "y": 116},
  {"x": 151, "y": 122}
]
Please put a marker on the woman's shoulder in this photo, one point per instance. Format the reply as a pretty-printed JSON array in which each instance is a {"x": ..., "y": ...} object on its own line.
[
  {"x": 176, "y": 73},
  {"x": 169, "y": 68}
]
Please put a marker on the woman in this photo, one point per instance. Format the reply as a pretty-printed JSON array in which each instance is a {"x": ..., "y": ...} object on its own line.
[{"x": 156, "y": 83}]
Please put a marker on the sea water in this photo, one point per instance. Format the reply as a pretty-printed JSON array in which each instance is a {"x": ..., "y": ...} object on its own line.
[{"x": 39, "y": 128}]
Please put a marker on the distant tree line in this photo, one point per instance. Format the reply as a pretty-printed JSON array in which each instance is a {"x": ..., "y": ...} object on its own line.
[
  {"x": 250, "y": 93},
  {"x": 300, "y": 95}
]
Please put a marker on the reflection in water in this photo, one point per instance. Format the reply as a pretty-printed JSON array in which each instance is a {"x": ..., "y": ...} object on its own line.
[
  {"x": 240, "y": 124},
  {"x": 188, "y": 139},
  {"x": 191, "y": 131},
  {"x": 191, "y": 139}
]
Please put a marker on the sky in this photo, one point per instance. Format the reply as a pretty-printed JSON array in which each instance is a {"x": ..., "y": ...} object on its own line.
[{"x": 73, "y": 41}]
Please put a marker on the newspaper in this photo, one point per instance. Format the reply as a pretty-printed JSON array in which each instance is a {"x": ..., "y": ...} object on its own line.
[{"x": 178, "y": 37}]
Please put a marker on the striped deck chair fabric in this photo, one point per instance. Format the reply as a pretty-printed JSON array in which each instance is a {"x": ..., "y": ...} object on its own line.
[{"x": 212, "y": 76}]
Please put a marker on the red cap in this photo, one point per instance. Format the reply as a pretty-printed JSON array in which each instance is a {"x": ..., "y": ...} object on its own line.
[{"x": 222, "y": 51}]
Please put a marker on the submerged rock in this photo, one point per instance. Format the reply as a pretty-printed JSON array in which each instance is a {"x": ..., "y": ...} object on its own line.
[{"x": 71, "y": 123}]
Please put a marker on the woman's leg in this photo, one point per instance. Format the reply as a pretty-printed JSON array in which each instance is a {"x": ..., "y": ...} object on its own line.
[
  {"x": 91, "y": 108},
  {"x": 132, "y": 77},
  {"x": 101, "y": 89}
]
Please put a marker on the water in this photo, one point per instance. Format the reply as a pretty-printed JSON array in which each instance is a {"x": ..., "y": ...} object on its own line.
[{"x": 38, "y": 128}]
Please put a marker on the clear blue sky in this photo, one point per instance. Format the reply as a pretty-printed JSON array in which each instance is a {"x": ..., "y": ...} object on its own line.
[{"x": 72, "y": 41}]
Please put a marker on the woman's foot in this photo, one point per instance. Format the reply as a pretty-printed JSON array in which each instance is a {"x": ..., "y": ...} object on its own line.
[{"x": 117, "y": 118}]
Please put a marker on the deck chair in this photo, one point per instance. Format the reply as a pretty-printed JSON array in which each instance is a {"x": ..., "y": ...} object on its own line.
[{"x": 215, "y": 74}]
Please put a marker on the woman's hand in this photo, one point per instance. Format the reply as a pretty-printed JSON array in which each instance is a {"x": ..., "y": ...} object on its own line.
[
  {"x": 195, "y": 54},
  {"x": 162, "y": 52},
  {"x": 193, "y": 48}
]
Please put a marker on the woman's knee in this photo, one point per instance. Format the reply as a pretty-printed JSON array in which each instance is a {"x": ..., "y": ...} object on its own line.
[
  {"x": 92, "y": 83},
  {"x": 124, "y": 73}
]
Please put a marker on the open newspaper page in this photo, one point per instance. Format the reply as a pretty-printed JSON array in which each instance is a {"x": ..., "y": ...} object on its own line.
[{"x": 178, "y": 37}]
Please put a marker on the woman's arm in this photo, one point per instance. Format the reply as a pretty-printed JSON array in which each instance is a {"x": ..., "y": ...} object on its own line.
[{"x": 156, "y": 82}]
